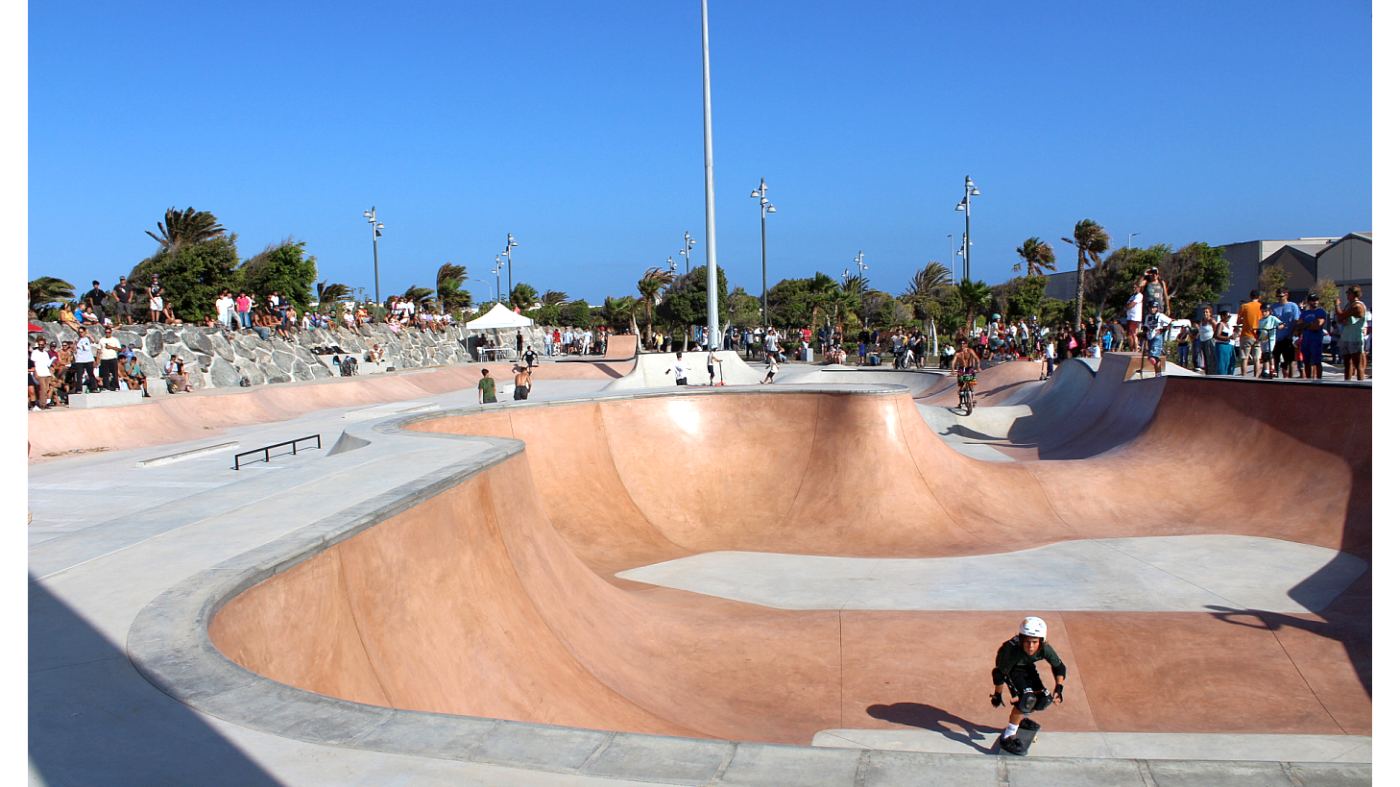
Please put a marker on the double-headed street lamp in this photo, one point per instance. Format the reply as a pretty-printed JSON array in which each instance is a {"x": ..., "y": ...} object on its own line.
[
  {"x": 510, "y": 279},
  {"x": 687, "y": 244},
  {"x": 497, "y": 270},
  {"x": 969, "y": 191},
  {"x": 764, "y": 208},
  {"x": 376, "y": 229}
]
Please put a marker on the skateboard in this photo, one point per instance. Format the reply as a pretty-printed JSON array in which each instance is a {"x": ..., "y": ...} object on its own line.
[{"x": 1026, "y": 735}]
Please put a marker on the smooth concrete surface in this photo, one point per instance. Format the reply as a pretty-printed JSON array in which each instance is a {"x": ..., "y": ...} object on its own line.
[
  {"x": 89, "y": 401},
  {"x": 656, "y": 370},
  {"x": 1157, "y": 574},
  {"x": 1354, "y": 749},
  {"x": 532, "y": 519}
]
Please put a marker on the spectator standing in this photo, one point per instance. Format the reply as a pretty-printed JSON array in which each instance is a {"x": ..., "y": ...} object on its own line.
[
  {"x": 43, "y": 372},
  {"x": 1205, "y": 341},
  {"x": 1250, "y": 312},
  {"x": 122, "y": 294},
  {"x": 96, "y": 300},
  {"x": 1352, "y": 342},
  {"x": 1314, "y": 322},
  {"x": 1134, "y": 310},
  {"x": 155, "y": 295},
  {"x": 108, "y": 349},
  {"x": 224, "y": 309},
  {"x": 486, "y": 388},
  {"x": 1268, "y": 330},
  {"x": 1224, "y": 347},
  {"x": 1288, "y": 313},
  {"x": 83, "y": 359}
]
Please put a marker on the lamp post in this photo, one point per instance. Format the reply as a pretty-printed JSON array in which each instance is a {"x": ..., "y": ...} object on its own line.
[
  {"x": 950, "y": 247},
  {"x": 497, "y": 270},
  {"x": 510, "y": 244},
  {"x": 969, "y": 191},
  {"x": 376, "y": 229},
  {"x": 1130, "y": 239},
  {"x": 764, "y": 208},
  {"x": 711, "y": 262},
  {"x": 687, "y": 244}
]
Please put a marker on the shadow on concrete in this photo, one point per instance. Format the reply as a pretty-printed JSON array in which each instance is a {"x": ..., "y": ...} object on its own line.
[
  {"x": 94, "y": 720},
  {"x": 927, "y": 717}
]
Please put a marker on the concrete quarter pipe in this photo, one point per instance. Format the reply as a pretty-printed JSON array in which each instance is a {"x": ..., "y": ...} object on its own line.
[{"x": 499, "y": 597}]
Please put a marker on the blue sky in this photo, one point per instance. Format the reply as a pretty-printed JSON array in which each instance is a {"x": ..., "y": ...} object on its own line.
[{"x": 577, "y": 127}]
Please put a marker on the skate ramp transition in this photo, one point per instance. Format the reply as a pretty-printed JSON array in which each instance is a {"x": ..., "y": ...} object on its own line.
[
  {"x": 497, "y": 596},
  {"x": 655, "y": 370}
]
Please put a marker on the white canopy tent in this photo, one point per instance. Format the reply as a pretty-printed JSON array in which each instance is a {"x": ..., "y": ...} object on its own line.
[{"x": 499, "y": 317}]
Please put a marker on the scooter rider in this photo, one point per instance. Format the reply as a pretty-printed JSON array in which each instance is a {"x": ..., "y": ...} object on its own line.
[{"x": 1016, "y": 668}]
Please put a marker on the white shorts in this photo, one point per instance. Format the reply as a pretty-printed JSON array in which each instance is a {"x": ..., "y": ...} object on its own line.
[{"x": 157, "y": 303}]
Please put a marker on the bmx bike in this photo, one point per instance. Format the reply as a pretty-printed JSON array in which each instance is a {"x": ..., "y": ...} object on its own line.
[{"x": 965, "y": 398}]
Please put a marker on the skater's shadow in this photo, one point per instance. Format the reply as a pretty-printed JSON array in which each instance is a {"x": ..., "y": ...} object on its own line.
[{"x": 956, "y": 728}]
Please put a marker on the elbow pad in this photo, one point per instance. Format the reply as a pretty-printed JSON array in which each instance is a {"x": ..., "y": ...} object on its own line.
[
  {"x": 1060, "y": 671},
  {"x": 997, "y": 678}
]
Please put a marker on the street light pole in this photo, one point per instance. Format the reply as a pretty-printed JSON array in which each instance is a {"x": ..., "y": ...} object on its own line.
[
  {"x": 712, "y": 275},
  {"x": 376, "y": 229},
  {"x": 1130, "y": 239},
  {"x": 764, "y": 208},
  {"x": 510, "y": 279},
  {"x": 950, "y": 247},
  {"x": 497, "y": 270},
  {"x": 969, "y": 191},
  {"x": 686, "y": 246}
]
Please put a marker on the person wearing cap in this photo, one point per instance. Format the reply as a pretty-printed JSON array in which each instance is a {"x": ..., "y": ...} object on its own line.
[
  {"x": 1154, "y": 290},
  {"x": 1287, "y": 313},
  {"x": 155, "y": 297},
  {"x": 1314, "y": 321},
  {"x": 1016, "y": 669}
]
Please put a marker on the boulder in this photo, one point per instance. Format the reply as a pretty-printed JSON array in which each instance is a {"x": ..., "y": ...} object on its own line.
[
  {"x": 155, "y": 342},
  {"x": 223, "y": 374},
  {"x": 197, "y": 339},
  {"x": 247, "y": 342},
  {"x": 223, "y": 348},
  {"x": 252, "y": 371},
  {"x": 301, "y": 370},
  {"x": 283, "y": 361},
  {"x": 201, "y": 360}
]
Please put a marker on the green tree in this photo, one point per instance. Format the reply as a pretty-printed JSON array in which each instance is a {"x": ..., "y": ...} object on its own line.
[
  {"x": 743, "y": 309},
  {"x": 1054, "y": 311},
  {"x": 649, "y": 292},
  {"x": 790, "y": 303},
  {"x": 328, "y": 295},
  {"x": 685, "y": 302},
  {"x": 1025, "y": 296},
  {"x": 825, "y": 297},
  {"x": 922, "y": 293},
  {"x": 450, "y": 293},
  {"x": 46, "y": 295},
  {"x": 975, "y": 297},
  {"x": 577, "y": 313},
  {"x": 620, "y": 313},
  {"x": 1197, "y": 274},
  {"x": 419, "y": 296},
  {"x": 1037, "y": 256},
  {"x": 283, "y": 268},
  {"x": 1272, "y": 279},
  {"x": 1090, "y": 241},
  {"x": 192, "y": 274},
  {"x": 187, "y": 227},
  {"x": 523, "y": 296},
  {"x": 1112, "y": 283},
  {"x": 1327, "y": 293}
]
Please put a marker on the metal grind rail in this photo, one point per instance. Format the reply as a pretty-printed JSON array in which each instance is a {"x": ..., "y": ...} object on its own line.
[{"x": 266, "y": 450}]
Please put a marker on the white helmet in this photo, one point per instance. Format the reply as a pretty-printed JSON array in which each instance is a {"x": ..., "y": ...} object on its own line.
[{"x": 1033, "y": 627}]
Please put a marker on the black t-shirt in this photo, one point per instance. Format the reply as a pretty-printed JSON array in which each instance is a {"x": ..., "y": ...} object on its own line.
[
  {"x": 156, "y": 290},
  {"x": 122, "y": 293},
  {"x": 865, "y": 337},
  {"x": 96, "y": 295}
]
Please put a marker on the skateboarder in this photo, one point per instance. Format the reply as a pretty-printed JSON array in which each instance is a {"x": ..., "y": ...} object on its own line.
[{"x": 1016, "y": 668}]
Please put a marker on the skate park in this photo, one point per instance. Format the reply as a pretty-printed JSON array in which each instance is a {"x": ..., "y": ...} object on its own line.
[{"x": 553, "y": 591}]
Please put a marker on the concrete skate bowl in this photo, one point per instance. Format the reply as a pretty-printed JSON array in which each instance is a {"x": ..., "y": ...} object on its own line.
[{"x": 497, "y": 595}]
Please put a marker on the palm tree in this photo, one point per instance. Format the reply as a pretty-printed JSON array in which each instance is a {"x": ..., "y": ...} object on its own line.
[
  {"x": 649, "y": 287},
  {"x": 449, "y": 287},
  {"x": 47, "y": 292},
  {"x": 327, "y": 295},
  {"x": 553, "y": 298},
  {"x": 617, "y": 310},
  {"x": 185, "y": 227},
  {"x": 824, "y": 292},
  {"x": 974, "y": 295},
  {"x": 1090, "y": 240},
  {"x": 523, "y": 296},
  {"x": 1038, "y": 256},
  {"x": 923, "y": 289},
  {"x": 419, "y": 296}
]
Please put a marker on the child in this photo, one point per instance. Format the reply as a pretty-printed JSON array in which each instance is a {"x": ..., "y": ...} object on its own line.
[{"x": 772, "y": 369}]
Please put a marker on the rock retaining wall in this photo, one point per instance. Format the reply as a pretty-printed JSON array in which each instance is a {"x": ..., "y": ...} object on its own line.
[{"x": 219, "y": 359}]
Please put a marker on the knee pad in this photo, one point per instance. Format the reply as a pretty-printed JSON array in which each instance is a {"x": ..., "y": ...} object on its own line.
[
  {"x": 1028, "y": 702},
  {"x": 1042, "y": 700}
]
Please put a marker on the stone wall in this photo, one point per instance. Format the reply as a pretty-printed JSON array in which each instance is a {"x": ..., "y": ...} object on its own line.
[{"x": 219, "y": 359}]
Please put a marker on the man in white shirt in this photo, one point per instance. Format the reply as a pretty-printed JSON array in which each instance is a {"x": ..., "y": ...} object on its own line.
[
  {"x": 83, "y": 358},
  {"x": 43, "y": 371},
  {"x": 108, "y": 348},
  {"x": 224, "y": 308},
  {"x": 1134, "y": 317}
]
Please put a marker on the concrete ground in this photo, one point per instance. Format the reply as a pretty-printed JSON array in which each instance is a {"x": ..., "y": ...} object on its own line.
[{"x": 111, "y": 532}]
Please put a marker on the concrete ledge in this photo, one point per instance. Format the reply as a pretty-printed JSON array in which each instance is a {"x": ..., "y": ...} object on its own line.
[
  {"x": 180, "y": 456},
  {"x": 88, "y": 401}
]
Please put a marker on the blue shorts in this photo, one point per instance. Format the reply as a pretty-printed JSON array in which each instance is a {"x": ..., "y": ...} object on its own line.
[
  {"x": 1154, "y": 347},
  {"x": 1312, "y": 350}
]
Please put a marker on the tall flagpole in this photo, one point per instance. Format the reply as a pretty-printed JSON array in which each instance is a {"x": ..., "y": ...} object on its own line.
[{"x": 711, "y": 275}]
